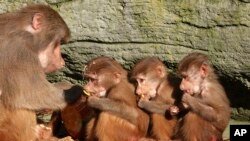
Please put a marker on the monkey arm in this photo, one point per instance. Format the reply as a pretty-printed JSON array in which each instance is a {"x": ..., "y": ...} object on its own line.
[
  {"x": 43, "y": 95},
  {"x": 26, "y": 85},
  {"x": 71, "y": 92},
  {"x": 201, "y": 107},
  {"x": 115, "y": 107},
  {"x": 154, "y": 107}
]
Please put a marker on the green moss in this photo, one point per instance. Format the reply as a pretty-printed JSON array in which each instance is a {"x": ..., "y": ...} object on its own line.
[{"x": 149, "y": 15}]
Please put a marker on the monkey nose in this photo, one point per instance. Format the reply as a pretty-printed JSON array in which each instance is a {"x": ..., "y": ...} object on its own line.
[
  {"x": 139, "y": 92},
  {"x": 182, "y": 87}
]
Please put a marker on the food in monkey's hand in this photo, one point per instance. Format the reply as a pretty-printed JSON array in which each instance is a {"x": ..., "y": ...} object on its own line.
[
  {"x": 144, "y": 97},
  {"x": 86, "y": 93}
]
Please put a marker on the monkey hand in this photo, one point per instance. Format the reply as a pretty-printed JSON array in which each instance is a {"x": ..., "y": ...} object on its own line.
[
  {"x": 186, "y": 101},
  {"x": 185, "y": 106},
  {"x": 81, "y": 103},
  {"x": 186, "y": 98},
  {"x": 174, "y": 110},
  {"x": 142, "y": 103},
  {"x": 73, "y": 94}
]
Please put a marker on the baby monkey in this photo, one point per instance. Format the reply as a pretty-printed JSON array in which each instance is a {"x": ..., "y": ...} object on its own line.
[
  {"x": 208, "y": 109},
  {"x": 157, "y": 94}
]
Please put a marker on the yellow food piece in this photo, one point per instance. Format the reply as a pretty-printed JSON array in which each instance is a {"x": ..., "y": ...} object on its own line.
[
  {"x": 86, "y": 93},
  {"x": 142, "y": 96}
]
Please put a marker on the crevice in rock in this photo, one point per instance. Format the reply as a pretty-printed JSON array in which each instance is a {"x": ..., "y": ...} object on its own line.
[
  {"x": 214, "y": 26},
  {"x": 238, "y": 94},
  {"x": 132, "y": 42}
]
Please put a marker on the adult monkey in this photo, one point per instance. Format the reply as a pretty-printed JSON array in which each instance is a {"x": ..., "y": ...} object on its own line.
[
  {"x": 30, "y": 47},
  {"x": 205, "y": 100}
]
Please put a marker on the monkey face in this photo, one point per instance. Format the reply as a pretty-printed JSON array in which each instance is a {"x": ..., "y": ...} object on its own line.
[
  {"x": 51, "y": 58},
  {"x": 191, "y": 82},
  {"x": 102, "y": 74},
  {"x": 94, "y": 85},
  {"x": 146, "y": 87}
]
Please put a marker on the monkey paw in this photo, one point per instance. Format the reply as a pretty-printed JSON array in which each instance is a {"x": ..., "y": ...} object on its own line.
[
  {"x": 185, "y": 98},
  {"x": 174, "y": 110},
  {"x": 142, "y": 103}
]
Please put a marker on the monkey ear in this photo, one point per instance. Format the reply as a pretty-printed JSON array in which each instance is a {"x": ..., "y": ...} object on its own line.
[
  {"x": 117, "y": 77},
  {"x": 203, "y": 70},
  {"x": 161, "y": 71},
  {"x": 37, "y": 22}
]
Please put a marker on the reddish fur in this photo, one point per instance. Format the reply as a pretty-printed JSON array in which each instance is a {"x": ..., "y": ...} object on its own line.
[
  {"x": 17, "y": 125},
  {"x": 162, "y": 127},
  {"x": 109, "y": 125},
  {"x": 112, "y": 128},
  {"x": 74, "y": 116}
]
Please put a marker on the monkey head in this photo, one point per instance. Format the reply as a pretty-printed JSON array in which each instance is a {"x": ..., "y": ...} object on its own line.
[
  {"x": 195, "y": 71},
  {"x": 49, "y": 30},
  {"x": 101, "y": 74},
  {"x": 148, "y": 74}
]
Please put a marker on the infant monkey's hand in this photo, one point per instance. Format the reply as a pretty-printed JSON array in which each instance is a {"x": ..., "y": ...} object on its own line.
[{"x": 174, "y": 110}]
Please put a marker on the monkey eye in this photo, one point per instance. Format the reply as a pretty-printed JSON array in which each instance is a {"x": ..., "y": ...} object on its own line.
[
  {"x": 184, "y": 76},
  {"x": 140, "y": 80},
  {"x": 89, "y": 79}
]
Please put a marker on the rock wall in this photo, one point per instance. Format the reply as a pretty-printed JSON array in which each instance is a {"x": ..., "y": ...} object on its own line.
[{"x": 132, "y": 29}]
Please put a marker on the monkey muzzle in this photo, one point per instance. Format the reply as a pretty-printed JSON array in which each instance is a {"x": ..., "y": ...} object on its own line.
[{"x": 144, "y": 96}]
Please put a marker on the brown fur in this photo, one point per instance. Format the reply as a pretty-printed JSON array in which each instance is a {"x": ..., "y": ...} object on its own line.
[
  {"x": 166, "y": 94},
  {"x": 17, "y": 125},
  {"x": 23, "y": 91},
  {"x": 119, "y": 119},
  {"x": 23, "y": 84},
  {"x": 209, "y": 110}
]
